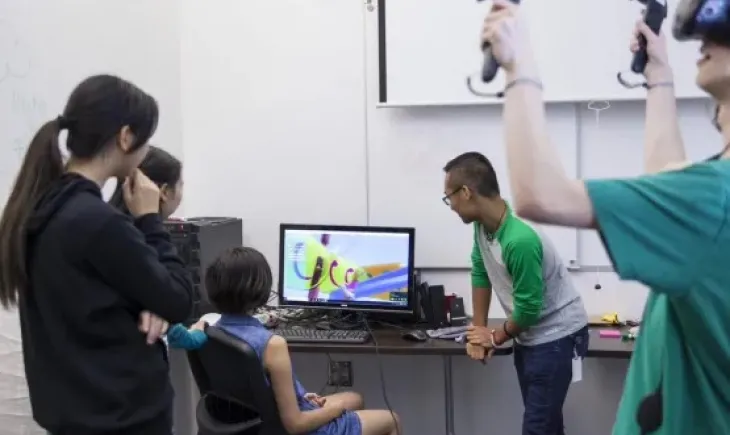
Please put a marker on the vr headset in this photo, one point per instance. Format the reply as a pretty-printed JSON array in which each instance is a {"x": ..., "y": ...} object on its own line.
[{"x": 703, "y": 19}]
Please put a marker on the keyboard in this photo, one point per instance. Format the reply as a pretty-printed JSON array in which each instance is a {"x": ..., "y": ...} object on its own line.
[{"x": 308, "y": 335}]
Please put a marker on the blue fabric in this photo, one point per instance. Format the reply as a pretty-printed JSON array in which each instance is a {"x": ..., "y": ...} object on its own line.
[
  {"x": 179, "y": 337},
  {"x": 544, "y": 373},
  {"x": 255, "y": 334}
]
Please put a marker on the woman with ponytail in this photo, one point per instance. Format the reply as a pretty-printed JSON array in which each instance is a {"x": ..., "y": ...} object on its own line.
[{"x": 85, "y": 277}]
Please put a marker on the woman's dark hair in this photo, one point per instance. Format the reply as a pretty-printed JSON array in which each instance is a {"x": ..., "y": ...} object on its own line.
[
  {"x": 160, "y": 166},
  {"x": 239, "y": 281},
  {"x": 97, "y": 110}
]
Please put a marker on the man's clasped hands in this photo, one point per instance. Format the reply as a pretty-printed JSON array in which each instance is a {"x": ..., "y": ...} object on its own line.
[{"x": 482, "y": 341}]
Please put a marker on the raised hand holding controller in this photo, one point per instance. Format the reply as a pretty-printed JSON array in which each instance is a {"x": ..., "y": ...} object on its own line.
[{"x": 653, "y": 17}]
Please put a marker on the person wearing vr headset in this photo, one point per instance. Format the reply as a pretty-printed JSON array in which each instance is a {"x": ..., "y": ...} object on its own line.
[
  {"x": 707, "y": 20},
  {"x": 669, "y": 230}
]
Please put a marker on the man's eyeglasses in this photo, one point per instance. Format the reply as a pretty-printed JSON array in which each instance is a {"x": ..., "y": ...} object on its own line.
[{"x": 447, "y": 198}]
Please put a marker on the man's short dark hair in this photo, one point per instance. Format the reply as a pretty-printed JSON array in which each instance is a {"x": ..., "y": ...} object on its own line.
[
  {"x": 475, "y": 171},
  {"x": 239, "y": 281}
]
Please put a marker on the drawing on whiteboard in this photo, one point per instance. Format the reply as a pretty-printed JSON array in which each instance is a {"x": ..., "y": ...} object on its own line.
[
  {"x": 22, "y": 110},
  {"x": 28, "y": 112},
  {"x": 15, "y": 59},
  {"x": 597, "y": 107}
]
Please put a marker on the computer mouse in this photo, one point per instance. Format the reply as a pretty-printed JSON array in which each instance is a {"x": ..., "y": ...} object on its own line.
[{"x": 415, "y": 335}]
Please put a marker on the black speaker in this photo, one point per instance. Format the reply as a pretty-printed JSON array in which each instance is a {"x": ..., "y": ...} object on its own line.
[
  {"x": 437, "y": 296},
  {"x": 424, "y": 302},
  {"x": 457, "y": 313}
]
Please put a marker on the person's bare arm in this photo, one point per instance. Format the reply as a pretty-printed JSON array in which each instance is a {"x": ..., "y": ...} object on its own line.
[
  {"x": 541, "y": 188},
  {"x": 278, "y": 364},
  {"x": 481, "y": 299},
  {"x": 663, "y": 146},
  {"x": 481, "y": 288},
  {"x": 662, "y": 139}
]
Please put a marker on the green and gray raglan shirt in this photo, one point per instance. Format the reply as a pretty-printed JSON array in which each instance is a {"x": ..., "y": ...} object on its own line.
[{"x": 524, "y": 270}]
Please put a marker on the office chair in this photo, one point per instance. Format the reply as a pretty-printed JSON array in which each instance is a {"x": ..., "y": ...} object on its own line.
[{"x": 236, "y": 398}]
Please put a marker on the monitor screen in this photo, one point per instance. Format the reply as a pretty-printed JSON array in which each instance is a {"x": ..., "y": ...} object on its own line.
[{"x": 353, "y": 268}]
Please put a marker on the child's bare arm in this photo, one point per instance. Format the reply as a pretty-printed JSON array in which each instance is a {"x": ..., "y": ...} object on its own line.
[{"x": 278, "y": 364}]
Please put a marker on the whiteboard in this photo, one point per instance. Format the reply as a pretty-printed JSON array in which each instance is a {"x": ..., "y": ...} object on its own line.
[
  {"x": 427, "y": 48},
  {"x": 612, "y": 147},
  {"x": 271, "y": 134},
  {"x": 48, "y": 46},
  {"x": 407, "y": 152}
]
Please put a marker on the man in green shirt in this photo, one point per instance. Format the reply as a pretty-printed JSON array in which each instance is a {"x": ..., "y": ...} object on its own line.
[
  {"x": 515, "y": 260},
  {"x": 670, "y": 231}
]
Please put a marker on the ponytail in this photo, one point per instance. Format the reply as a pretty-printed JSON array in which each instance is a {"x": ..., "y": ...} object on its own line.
[{"x": 42, "y": 165}]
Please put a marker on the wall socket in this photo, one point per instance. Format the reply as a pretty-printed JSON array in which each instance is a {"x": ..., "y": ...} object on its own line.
[{"x": 340, "y": 374}]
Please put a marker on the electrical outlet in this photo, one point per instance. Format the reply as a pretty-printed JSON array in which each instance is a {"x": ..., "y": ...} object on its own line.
[{"x": 340, "y": 374}]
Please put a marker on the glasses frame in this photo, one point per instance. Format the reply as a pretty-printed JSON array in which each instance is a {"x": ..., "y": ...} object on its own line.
[{"x": 447, "y": 198}]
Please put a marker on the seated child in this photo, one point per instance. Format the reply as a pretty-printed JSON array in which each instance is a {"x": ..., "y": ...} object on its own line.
[{"x": 239, "y": 282}]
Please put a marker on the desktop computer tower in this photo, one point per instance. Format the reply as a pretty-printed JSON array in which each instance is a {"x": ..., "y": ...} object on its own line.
[{"x": 198, "y": 242}]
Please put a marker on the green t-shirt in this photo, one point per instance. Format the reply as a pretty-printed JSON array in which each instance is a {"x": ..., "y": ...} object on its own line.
[
  {"x": 524, "y": 270},
  {"x": 670, "y": 231}
]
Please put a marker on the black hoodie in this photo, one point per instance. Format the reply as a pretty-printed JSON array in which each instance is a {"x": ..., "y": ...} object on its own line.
[{"x": 92, "y": 271}]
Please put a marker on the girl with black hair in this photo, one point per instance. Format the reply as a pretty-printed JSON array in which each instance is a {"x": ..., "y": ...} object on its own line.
[
  {"x": 85, "y": 277},
  {"x": 163, "y": 169},
  {"x": 239, "y": 283}
]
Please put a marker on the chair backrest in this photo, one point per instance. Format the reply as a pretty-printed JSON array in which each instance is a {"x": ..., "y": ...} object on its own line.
[{"x": 229, "y": 368}]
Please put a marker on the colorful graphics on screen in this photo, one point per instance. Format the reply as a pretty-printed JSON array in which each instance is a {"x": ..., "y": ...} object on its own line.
[{"x": 346, "y": 267}]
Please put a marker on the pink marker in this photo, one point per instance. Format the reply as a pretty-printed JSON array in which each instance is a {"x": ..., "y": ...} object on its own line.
[{"x": 610, "y": 333}]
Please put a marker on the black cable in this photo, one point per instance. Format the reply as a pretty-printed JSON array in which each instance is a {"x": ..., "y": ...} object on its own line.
[
  {"x": 327, "y": 377},
  {"x": 382, "y": 373}
]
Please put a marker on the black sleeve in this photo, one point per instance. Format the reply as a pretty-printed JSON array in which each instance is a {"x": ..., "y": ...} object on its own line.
[{"x": 143, "y": 264}]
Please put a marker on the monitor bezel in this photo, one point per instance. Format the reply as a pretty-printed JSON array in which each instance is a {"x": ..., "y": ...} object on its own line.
[{"x": 408, "y": 309}]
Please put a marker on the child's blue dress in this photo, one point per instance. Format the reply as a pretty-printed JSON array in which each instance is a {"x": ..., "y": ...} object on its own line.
[{"x": 250, "y": 330}]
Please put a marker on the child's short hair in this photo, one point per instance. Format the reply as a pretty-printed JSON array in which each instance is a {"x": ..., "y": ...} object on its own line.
[{"x": 239, "y": 281}]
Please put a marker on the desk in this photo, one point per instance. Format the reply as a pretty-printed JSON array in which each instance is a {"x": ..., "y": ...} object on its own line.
[
  {"x": 609, "y": 347},
  {"x": 389, "y": 342}
]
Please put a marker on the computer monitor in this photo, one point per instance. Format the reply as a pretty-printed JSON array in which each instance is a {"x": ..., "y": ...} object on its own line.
[{"x": 349, "y": 268}]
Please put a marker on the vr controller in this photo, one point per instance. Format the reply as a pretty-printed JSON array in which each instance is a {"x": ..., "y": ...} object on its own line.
[
  {"x": 490, "y": 65},
  {"x": 654, "y": 15},
  {"x": 694, "y": 19}
]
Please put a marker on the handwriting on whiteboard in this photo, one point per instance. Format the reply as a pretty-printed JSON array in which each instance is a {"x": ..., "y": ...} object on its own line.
[
  {"x": 29, "y": 113},
  {"x": 14, "y": 55},
  {"x": 22, "y": 110}
]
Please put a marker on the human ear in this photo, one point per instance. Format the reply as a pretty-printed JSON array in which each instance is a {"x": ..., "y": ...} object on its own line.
[{"x": 125, "y": 139}]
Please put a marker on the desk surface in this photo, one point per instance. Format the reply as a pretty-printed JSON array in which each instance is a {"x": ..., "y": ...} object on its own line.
[
  {"x": 390, "y": 342},
  {"x": 608, "y": 347}
]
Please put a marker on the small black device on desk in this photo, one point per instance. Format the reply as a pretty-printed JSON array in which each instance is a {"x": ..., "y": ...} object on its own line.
[
  {"x": 415, "y": 335},
  {"x": 310, "y": 335}
]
